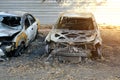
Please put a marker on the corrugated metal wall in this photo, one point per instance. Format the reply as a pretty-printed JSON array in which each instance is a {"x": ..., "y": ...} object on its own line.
[{"x": 47, "y": 12}]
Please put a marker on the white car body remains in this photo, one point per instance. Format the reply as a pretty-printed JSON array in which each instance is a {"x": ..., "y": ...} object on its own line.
[
  {"x": 75, "y": 34},
  {"x": 17, "y": 30}
]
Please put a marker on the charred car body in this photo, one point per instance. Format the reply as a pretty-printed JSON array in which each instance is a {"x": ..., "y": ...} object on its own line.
[
  {"x": 17, "y": 30},
  {"x": 75, "y": 34}
]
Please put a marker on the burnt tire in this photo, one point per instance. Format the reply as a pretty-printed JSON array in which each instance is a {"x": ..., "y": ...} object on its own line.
[
  {"x": 49, "y": 47},
  {"x": 97, "y": 53},
  {"x": 19, "y": 50}
]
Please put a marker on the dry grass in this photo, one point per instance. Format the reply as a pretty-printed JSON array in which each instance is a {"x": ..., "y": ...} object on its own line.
[{"x": 26, "y": 68}]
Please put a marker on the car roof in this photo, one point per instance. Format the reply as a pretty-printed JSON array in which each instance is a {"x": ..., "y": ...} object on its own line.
[
  {"x": 13, "y": 13},
  {"x": 77, "y": 14}
]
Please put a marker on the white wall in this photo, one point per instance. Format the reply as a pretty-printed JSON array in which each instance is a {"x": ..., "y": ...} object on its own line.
[{"x": 47, "y": 12}]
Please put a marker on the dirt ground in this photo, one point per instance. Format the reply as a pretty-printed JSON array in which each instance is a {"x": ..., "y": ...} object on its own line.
[{"x": 30, "y": 66}]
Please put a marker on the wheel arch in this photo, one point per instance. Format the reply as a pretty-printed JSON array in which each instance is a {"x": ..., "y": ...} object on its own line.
[{"x": 22, "y": 38}]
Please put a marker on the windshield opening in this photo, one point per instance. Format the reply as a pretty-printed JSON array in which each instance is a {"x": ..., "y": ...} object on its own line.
[
  {"x": 10, "y": 22},
  {"x": 73, "y": 23}
]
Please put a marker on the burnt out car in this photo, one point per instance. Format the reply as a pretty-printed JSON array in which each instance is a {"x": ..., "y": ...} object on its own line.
[
  {"x": 75, "y": 34},
  {"x": 17, "y": 30}
]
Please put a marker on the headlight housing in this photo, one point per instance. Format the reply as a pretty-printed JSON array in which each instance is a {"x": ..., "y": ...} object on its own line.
[{"x": 7, "y": 45}]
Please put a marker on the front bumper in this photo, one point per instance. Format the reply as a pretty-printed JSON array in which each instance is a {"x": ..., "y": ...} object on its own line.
[
  {"x": 67, "y": 53},
  {"x": 6, "y": 47}
]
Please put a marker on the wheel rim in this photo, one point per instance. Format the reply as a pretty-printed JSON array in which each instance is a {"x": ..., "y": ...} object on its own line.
[
  {"x": 99, "y": 52},
  {"x": 20, "y": 49}
]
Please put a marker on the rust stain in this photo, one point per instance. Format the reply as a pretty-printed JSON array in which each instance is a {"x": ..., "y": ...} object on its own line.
[
  {"x": 20, "y": 37},
  {"x": 38, "y": 23}
]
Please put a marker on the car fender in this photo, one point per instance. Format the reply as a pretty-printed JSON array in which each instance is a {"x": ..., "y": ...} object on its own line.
[
  {"x": 48, "y": 37},
  {"x": 98, "y": 40},
  {"x": 22, "y": 37}
]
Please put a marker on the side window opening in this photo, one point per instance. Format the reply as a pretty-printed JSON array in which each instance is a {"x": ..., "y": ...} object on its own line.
[
  {"x": 31, "y": 19},
  {"x": 27, "y": 24}
]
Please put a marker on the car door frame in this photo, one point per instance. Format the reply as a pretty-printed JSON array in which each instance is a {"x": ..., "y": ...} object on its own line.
[
  {"x": 34, "y": 26},
  {"x": 29, "y": 30}
]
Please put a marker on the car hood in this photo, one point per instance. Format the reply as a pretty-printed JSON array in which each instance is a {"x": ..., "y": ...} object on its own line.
[
  {"x": 63, "y": 35},
  {"x": 7, "y": 32}
]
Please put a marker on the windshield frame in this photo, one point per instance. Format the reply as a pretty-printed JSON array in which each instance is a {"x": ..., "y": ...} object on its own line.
[
  {"x": 61, "y": 24},
  {"x": 17, "y": 26}
]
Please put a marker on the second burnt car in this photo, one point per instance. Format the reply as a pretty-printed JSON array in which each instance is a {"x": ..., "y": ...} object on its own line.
[
  {"x": 17, "y": 30},
  {"x": 75, "y": 34}
]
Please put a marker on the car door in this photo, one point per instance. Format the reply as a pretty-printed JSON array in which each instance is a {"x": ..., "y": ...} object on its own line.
[
  {"x": 30, "y": 27},
  {"x": 33, "y": 25}
]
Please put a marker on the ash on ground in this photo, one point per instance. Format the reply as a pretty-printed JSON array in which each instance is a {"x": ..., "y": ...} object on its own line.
[{"x": 30, "y": 65}]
